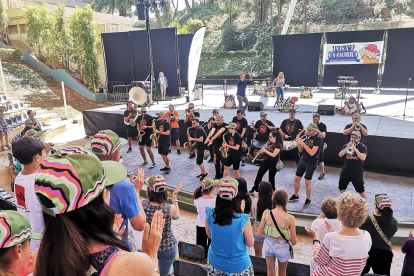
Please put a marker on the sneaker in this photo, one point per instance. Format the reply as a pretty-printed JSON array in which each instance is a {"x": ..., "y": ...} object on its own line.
[
  {"x": 203, "y": 176},
  {"x": 200, "y": 175},
  {"x": 307, "y": 203},
  {"x": 178, "y": 152},
  {"x": 164, "y": 169},
  {"x": 218, "y": 176},
  {"x": 243, "y": 163},
  {"x": 192, "y": 156},
  {"x": 143, "y": 163},
  {"x": 129, "y": 150},
  {"x": 167, "y": 171},
  {"x": 152, "y": 166},
  {"x": 293, "y": 198},
  {"x": 258, "y": 164},
  {"x": 210, "y": 160},
  {"x": 321, "y": 176}
]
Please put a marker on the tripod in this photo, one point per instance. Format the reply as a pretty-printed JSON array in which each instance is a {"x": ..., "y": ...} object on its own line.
[{"x": 405, "y": 104}]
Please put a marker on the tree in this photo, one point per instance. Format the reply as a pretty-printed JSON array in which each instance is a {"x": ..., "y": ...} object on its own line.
[
  {"x": 123, "y": 7},
  {"x": 3, "y": 18},
  {"x": 305, "y": 19},
  {"x": 187, "y": 5},
  {"x": 227, "y": 6},
  {"x": 279, "y": 15},
  {"x": 34, "y": 28},
  {"x": 46, "y": 21},
  {"x": 61, "y": 36}
]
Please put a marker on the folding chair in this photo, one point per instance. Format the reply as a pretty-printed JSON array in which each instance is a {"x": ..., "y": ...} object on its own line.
[
  {"x": 183, "y": 268},
  {"x": 192, "y": 252},
  {"x": 259, "y": 265}
]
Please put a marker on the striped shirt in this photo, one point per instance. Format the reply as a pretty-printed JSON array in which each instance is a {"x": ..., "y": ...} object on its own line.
[{"x": 340, "y": 255}]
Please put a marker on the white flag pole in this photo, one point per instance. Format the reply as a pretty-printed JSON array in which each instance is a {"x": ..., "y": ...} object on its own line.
[
  {"x": 2, "y": 78},
  {"x": 64, "y": 100}
]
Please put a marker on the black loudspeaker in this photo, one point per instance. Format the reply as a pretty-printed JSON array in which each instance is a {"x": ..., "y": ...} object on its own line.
[
  {"x": 326, "y": 109},
  {"x": 255, "y": 106},
  {"x": 142, "y": 14}
]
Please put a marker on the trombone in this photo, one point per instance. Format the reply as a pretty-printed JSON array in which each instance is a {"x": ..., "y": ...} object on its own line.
[{"x": 188, "y": 112}]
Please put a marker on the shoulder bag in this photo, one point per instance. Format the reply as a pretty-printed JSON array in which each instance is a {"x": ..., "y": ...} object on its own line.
[
  {"x": 292, "y": 255},
  {"x": 374, "y": 221}
]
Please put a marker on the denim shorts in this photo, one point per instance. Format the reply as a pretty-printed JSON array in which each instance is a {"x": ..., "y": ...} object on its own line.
[
  {"x": 272, "y": 248},
  {"x": 259, "y": 239},
  {"x": 175, "y": 134}
]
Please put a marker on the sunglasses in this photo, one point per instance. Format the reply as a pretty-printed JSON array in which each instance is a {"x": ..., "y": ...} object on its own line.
[{"x": 159, "y": 116}]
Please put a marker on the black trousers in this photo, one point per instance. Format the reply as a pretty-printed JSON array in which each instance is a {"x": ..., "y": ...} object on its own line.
[
  {"x": 267, "y": 165},
  {"x": 218, "y": 161},
  {"x": 202, "y": 238},
  {"x": 380, "y": 261}
]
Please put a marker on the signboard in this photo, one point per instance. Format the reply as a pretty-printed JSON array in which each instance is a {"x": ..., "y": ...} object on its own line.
[
  {"x": 352, "y": 53},
  {"x": 194, "y": 57}
]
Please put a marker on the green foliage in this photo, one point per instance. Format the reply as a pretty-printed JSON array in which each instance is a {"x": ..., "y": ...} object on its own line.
[
  {"x": 189, "y": 28},
  {"x": 34, "y": 28},
  {"x": 230, "y": 54},
  {"x": 61, "y": 38},
  {"x": 21, "y": 76},
  {"x": 10, "y": 54},
  {"x": 3, "y": 16},
  {"x": 109, "y": 6},
  {"x": 232, "y": 39},
  {"x": 339, "y": 10}
]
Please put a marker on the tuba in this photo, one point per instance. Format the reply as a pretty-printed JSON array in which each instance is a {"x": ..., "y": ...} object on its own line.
[
  {"x": 188, "y": 145},
  {"x": 224, "y": 151},
  {"x": 153, "y": 136},
  {"x": 132, "y": 119},
  {"x": 138, "y": 96}
]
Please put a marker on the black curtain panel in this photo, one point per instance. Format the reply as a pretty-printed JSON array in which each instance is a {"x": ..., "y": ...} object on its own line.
[
  {"x": 399, "y": 63},
  {"x": 139, "y": 55},
  {"x": 117, "y": 57},
  {"x": 184, "y": 45},
  {"x": 297, "y": 56},
  {"x": 365, "y": 74},
  {"x": 164, "y": 45}
]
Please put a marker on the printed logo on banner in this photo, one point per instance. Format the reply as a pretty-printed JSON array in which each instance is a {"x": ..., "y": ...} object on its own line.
[{"x": 353, "y": 53}]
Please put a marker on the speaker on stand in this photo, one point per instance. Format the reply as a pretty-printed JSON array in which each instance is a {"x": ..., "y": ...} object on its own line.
[
  {"x": 255, "y": 106},
  {"x": 326, "y": 109}
]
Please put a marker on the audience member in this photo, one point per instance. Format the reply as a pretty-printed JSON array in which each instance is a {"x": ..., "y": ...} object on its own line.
[
  {"x": 275, "y": 244},
  {"x": 30, "y": 152},
  {"x": 329, "y": 214},
  {"x": 203, "y": 197},
  {"x": 230, "y": 232},
  {"x": 157, "y": 195},
  {"x": 73, "y": 188},
  {"x": 343, "y": 253},
  {"x": 15, "y": 236},
  {"x": 244, "y": 194},
  {"x": 382, "y": 226},
  {"x": 407, "y": 248},
  {"x": 36, "y": 124},
  {"x": 125, "y": 194},
  {"x": 261, "y": 203}
]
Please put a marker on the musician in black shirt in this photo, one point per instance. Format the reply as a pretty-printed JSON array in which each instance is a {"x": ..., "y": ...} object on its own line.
[
  {"x": 233, "y": 143},
  {"x": 198, "y": 135},
  {"x": 214, "y": 137},
  {"x": 353, "y": 170},
  {"x": 356, "y": 123},
  {"x": 132, "y": 129},
  {"x": 308, "y": 162},
  {"x": 290, "y": 129},
  {"x": 321, "y": 130},
  {"x": 163, "y": 128},
  {"x": 144, "y": 123},
  {"x": 189, "y": 119},
  {"x": 209, "y": 127},
  {"x": 241, "y": 128},
  {"x": 272, "y": 151},
  {"x": 263, "y": 127}
]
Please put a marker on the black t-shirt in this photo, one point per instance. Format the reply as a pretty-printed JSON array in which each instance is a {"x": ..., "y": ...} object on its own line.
[
  {"x": 352, "y": 163},
  {"x": 377, "y": 241},
  {"x": 262, "y": 130},
  {"x": 240, "y": 124},
  {"x": 271, "y": 147},
  {"x": 234, "y": 140},
  {"x": 145, "y": 121},
  {"x": 219, "y": 140},
  {"x": 312, "y": 141},
  {"x": 163, "y": 126},
  {"x": 291, "y": 128},
  {"x": 322, "y": 128},
  {"x": 197, "y": 133},
  {"x": 127, "y": 112},
  {"x": 191, "y": 117},
  {"x": 348, "y": 137}
]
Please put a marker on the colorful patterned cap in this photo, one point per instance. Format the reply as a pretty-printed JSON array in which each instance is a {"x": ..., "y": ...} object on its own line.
[
  {"x": 106, "y": 142},
  {"x": 33, "y": 133},
  {"x": 231, "y": 126},
  {"x": 15, "y": 229},
  {"x": 73, "y": 177},
  {"x": 357, "y": 133},
  {"x": 263, "y": 113},
  {"x": 191, "y": 105},
  {"x": 29, "y": 122},
  {"x": 156, "y": 183},
  {"x": 312, "y": 126},
  {"x": 207, "y": 183},
  {"x": 382, "y": 201},
  {"x": 227, "y": 188}
]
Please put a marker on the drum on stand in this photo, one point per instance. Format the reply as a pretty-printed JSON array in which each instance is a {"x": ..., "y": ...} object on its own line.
[{"x": 254, "y": 150}]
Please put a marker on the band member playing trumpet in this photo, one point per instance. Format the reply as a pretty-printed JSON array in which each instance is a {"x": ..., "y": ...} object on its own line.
[
  {"x": 308, "y": 162},
  {"x": 193, "y": 114},
  {"x": 356, "y": 125},
  {"x": 233, "y": 142},
  {"x": 272, "y": 150},
  {"x": 144, "y": 125},
  {"x": 214, "y": 138},
  {"x": 355, "y": 154},
  {"x": 132, "y": 130},
  {"x": 291, "y": 129},
  {"x": 163, "y": 128},
  {"x": 241, "y": 127},
  {"x": 322, "y": 132},
  {"x": 263, "y": 127},
  {"x": 172, "y": 117},
  {"x": 209, "y": 127},
  {"x": 199, "y": 137}
]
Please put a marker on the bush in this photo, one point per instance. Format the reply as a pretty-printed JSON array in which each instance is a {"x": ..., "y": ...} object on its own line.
[
  {"x": 229, "y": 54},
  {"x": 21, "y": 76},
  {"x": 10, "y": 55},
  {"x": 232, "y": 39}
]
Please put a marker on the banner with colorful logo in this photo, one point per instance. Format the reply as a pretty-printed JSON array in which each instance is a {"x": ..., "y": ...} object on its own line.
[
  {"x": 194, "y": 57},
  {"x": 352, "y": 53}
]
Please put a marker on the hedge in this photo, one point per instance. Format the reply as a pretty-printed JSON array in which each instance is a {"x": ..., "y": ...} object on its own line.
[
  {"x": 11, "y": 55},
  {"x": 228, "y": 54}
]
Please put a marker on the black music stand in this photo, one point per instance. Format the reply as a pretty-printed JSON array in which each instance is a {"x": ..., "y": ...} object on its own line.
[{"x": 405, "y": 104}]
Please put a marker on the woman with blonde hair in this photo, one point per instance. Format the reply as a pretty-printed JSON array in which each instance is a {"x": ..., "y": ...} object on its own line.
[
  {"x": 162, "y": 80},
  {"x": 343, "y": 253},
  {"x": 280, "y": 82}
]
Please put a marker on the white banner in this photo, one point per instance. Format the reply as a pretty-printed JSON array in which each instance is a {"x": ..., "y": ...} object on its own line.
[
  {"x": 352, "y": 53},
  {"x": 194, "y": 57}
]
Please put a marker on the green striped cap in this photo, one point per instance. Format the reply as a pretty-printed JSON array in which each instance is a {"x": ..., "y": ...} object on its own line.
[
  {"x": 106, "y": 142},
  {"x": 227, "y": 188}
]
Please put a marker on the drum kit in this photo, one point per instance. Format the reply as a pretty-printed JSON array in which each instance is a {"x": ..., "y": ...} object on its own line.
[{"x": 264, "y": 88}]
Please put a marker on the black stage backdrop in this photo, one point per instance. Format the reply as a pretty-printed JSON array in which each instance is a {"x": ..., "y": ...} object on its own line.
[
  {"x": 399, "y": 65},
  {"x": 164, "y": 45},
  {"x": 117, "y": 57},
  {"x": 297, "y": 56},
  {"x": 365, "y": 74},
  {"x": 184, "y": 45},
  {"x": 139, "y": 54}
]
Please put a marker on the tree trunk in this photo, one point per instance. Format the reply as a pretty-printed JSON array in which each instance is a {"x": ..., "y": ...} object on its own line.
[
  {"x": 279, "y": 16},
  {"x": 158, "y": 16},
  {"x": 271, "y": 13},
  {"x": 305, "y": 20},
  {"x": 188, "y": 7},
  {"x": 176, "y": 9}
]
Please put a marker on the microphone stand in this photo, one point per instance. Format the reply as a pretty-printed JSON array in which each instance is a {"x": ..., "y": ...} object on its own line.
[{"x": 405, "y": 104}]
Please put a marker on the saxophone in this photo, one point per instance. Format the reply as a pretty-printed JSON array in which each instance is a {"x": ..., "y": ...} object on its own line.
[
  {"x": 224, "y": 151},
  {"x": 153, "y": 136},
  {"x": 141, "y": 132},
  {"x": 188, "y": 145}
]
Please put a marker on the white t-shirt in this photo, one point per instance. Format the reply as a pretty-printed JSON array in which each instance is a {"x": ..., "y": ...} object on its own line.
[
  {"x": 201, "y": 204},
  {"x": 28, "y": 205}
]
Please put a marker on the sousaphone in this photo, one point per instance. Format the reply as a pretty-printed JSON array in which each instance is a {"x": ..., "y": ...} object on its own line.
[{"x": 138, "y": 95}]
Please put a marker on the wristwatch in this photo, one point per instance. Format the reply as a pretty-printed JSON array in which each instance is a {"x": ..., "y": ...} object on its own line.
[{"x": 316, "y": 241}]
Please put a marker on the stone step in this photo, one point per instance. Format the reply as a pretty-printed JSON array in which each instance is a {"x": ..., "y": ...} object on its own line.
[{"x": 55, "y": 119}]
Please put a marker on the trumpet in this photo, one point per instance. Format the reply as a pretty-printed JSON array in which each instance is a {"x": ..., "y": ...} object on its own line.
[
  {"x": 211, "y": 120},
  {"x": 294, "y": 144},
  {"x": 224, "y": 151},
  {"x": 153, "y": 136},
  {"x": 188, "y": 112},
  {"x": 357, "y": 127},
  {"x": 188, "y": 145},
  {"x": 350, "y": 150},
  {"x": 260, "y": 152}
]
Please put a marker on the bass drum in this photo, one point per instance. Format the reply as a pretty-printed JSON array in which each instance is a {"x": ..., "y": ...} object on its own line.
[{"x": 254, "y": 150}]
